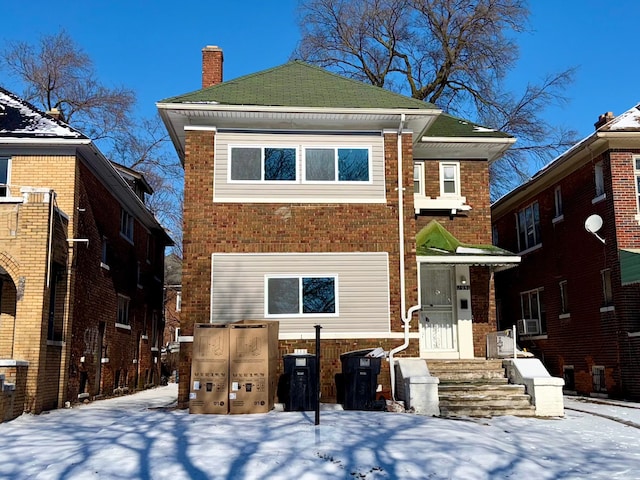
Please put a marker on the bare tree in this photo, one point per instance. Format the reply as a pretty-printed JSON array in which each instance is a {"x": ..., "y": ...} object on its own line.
[
  {"x": 57, "y": 74},
  {"x": 453, "y": 53}
]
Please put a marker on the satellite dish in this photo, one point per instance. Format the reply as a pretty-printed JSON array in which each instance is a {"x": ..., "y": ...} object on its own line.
[{"x": 593, "y": 224}]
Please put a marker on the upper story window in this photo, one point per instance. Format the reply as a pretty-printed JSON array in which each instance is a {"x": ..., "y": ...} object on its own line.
[
  {"x": 564, "y": 298},
  {"x": 104, "y": 253},
  {"x": 418, "y": 178},
  {"x": 449, "y": 179},
  {"x": 528, "y": 221},
  {"x": 336, "y": 164},
  {"x": 598, "y": 174},
  {"x": 5, "y": 171},
  {"x": 557, "y": 195},
  {"x": 123, "y": 310},
  {"x": 636, "y": 171},
  {"x": 126, "y": 225},
  {"x": 293, "y": 295},
  {"x": 607, "y": 291},
  {"x": 263, "y": 164},
  {"x": 178, "y": 301}
]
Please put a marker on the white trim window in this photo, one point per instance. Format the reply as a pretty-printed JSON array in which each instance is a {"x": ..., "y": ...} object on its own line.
[
  {"x": 557, "y": 196},
  {"x": 564, "y": 297},
  {"x": 178, "y": 301},
  {"x": 450, "y": 179},
  {"x": 301, "y": 296},
  {"x": 533, "y": 312},
  {"x": 418, "y": 178},
  {"x": 598, "y": 177},
  {"x": 126, "y": 225},
  {"x": 5, "y": 175},
  {"x": 636, "y": 172},
  {"x": 528, "y": 224},
  {"x": 337, "y": 164},
  {"x": 262, "y": 164},
  {"x": 123, "y": 310}
]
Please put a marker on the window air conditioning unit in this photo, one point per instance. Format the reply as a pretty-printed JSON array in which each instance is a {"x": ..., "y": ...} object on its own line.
[{"x": 527, "y": 326}]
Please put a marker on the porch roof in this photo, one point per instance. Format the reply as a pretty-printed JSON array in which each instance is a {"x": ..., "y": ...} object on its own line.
[{"x": 435, "y": 244}]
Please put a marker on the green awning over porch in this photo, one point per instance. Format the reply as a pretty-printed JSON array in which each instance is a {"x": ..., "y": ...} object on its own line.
[
  {"x": 629, "y": 265},
  {"x": 435, "y": 244}
]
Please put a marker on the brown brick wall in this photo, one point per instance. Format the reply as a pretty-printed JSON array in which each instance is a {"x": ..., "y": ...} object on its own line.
[
  {"x": 588, "y": 337},
  {"x": 226, "y": 227}
]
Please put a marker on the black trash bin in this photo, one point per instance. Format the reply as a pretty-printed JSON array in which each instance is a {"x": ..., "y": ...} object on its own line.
[
  {"x": 356, "y": 385},
  {"x": 297, "y": 388}
]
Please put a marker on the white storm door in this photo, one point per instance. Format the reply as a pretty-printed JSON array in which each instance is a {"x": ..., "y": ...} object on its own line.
[{"x": 437, "y": 297}]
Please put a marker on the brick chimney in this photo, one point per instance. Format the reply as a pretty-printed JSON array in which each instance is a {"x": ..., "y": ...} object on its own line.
[
  {"x": 602, "y": 119},
  {"x": 211, "y": 66},
  {"x": 55, "y": 113}
]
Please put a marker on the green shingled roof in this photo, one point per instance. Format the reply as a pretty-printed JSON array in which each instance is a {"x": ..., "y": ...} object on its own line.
[
  {"x": 434, "y": 239},
  {"x": 449, "y": 126},
  {"x": 297, "y": 84}
]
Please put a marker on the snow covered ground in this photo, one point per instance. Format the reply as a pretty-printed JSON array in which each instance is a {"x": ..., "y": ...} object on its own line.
[{"x": 136, "y": 437}]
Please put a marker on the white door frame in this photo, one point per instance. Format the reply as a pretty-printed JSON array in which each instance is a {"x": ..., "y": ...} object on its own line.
[{"x": 462, "y": 327}]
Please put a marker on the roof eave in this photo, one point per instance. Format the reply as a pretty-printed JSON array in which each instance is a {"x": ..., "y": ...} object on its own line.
[{"x": 212, "y": 106}]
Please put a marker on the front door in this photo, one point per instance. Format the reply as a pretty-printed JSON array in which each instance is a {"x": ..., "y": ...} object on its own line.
[{"x": 438, "y": 326}]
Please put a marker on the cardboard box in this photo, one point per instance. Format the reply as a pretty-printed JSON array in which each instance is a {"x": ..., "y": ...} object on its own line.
[
  {"x": 209, "y": 388},
  {"x": 253, "y": 361}
]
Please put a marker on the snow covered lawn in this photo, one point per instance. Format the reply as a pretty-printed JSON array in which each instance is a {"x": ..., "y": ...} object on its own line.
[{"x": 135, "y": 437}]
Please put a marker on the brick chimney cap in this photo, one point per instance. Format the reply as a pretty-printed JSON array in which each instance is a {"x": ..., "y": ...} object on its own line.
[{"x": 214, "y": 48}]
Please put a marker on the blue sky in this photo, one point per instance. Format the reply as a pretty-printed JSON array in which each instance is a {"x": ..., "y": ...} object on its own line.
[{"x": 154, "y": 46}]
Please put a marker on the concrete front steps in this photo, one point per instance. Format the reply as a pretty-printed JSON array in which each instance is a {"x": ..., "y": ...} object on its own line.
[{"x": 478, "y": 388}]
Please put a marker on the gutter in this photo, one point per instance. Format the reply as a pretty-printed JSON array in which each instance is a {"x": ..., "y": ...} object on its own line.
[{"x": 406, "y": 317}]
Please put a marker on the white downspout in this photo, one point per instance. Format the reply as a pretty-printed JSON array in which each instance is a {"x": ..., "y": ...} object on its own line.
[{"x": 406, "y": 317}]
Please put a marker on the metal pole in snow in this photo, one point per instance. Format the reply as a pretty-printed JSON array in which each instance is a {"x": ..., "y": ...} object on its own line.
[{"x": 318, "y": 327}]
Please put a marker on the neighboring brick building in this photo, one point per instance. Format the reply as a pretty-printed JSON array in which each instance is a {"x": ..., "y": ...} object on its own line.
[
  {"x": 81, "y": 265},
  {"x": 299, "y": 208},
  {"x": 576, "y": 297}
]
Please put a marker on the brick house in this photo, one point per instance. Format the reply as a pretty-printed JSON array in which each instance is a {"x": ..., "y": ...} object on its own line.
[
  {"x": 81, "y": 266},
  {"x": 576, "y": 295},
  {"x": 299, "y": 208}
]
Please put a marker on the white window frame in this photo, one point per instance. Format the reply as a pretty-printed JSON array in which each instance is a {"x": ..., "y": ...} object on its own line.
[
  {"x": 558, "y": 207},
  {"x": 262, "y": 167},
  {"x": 564, "y": 298},
  {"x": 336, "y": 169},
  {"x": 598, "y": 178},
  {"x": 178, "y": 301},
  {"x": 122, "y": 319},
  {"x": 418, "y": 168},
  {"x": 536, "y": 241},
  {"x": 636, "y": 175},
  {"x": 126, "y": 225},
  {"x": 104, "y": 253},
  {"x": 540, "y": 306},
  {"x": 300, "y": 313},
  {"x": 6, "y": 185},
  {"x": 456, "y": 180}
]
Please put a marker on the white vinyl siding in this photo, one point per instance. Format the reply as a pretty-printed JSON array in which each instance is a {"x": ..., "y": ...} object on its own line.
[
  {"x": 238, "y": 290},
  {"x": 300, "y": 190}
]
